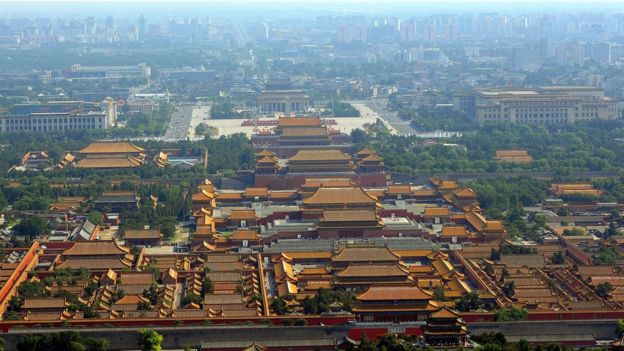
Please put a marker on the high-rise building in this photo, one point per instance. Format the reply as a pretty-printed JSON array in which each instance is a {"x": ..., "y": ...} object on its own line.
[
  {"x": 141, "y": 28},
  {"x": 545, "y": 105}
]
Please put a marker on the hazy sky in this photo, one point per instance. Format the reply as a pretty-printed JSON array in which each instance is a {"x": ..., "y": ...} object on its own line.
[{"x": 235, "y": 7}]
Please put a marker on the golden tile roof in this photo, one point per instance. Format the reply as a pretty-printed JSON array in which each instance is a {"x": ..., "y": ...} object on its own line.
[
  {"x": 266, "y": 160},
  {"x": 96, "y": 248},
  {"x": 436, "y": 211},
  {"x": 327, "y": 182},
  {"x": 393, "y": 293},
  {"x": 350, "y": 216},
  {"x": 299, "y": 121},
  {"x": 243, "y": 234},
  {"x": 265, "y": 152},
  {"x": 355, "y": 195},
  {"x": 253, "y": 192},
  {"x": 445, "y": 313},
  {"x": 141, "y": 234},
  {"x": 364, "y": 152},
  {"x": 238, "y": 215},
  {"x": 373, "y": 270},
  {"x": 109, "y": 162},
  {"x": 320, "y": 155},
  {"x": 96, "y": 263},
  {"x": 44, "y": 302},
  {"x": 455, "y": 230},
  {"x": 136, "y": 278},
  {"x": 365, "y": 254},
  {"x": 203, "y": 195},
  {"x": 304, "y": 132},
  {"x": 110, "y": 147},
  {"x": 399, "y": 189}
]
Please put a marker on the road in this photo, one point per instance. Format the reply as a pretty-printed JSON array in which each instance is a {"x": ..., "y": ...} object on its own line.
[
  {"x": 184, "y": 120},
  {"x": 378, "y": 106}
]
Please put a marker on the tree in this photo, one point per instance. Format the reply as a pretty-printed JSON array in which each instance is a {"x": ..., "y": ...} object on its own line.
[
  {"x": 490, "y": 347},
  {"x": 152, "y": 293},
  {"x": 509, "y": 289},
  {"x": 468, "y": 302},
  {"x": 207, "y": 286},
  {"x": 191, "y": 298},
  {"x": 76, "y": 346},
  {"x": 358, "y": 136},
  {"x": 149, "y": 340},
  {"x": 495, "y": 254},
  {"x": 558, "y": 258},
  {"x": 3, "y": 201},
  {"x": 563, "y": 212},
  {"x": 31, "y": 227},
  {"x": 619, "y": 328},
  {"x": 144, "y": 306},
  {"x": 511, "y": 314},
  {"x": 10, "y": 316},
  {"x": 522, "y": 345},
  {"x": 438, "y": 294},
  {"x": 603, "y": 290},
  {"x": 95, "y": 217},
  {"x": 118, "y": 295},
  {"x": 96, "y": 344},
  {"x": 278, "y": 305}
]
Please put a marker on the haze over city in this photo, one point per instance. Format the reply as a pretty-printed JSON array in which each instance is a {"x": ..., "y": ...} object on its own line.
[{"x": 311, "y": 175}]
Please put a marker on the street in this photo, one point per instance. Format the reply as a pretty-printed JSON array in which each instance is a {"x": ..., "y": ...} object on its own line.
[
  {"x": 184, "y": 120},
  {"x": 378, "y": 106}
]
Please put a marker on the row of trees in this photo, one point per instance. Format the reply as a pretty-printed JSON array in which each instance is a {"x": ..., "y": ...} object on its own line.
[
  {"x": 147, "y": 340},
  {"x": 586, "y": 146},
  {"x": 146, "y": 124}
]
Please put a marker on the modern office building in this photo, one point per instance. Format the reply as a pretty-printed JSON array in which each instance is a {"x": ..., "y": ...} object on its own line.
[
  {"x": 53, "y": 116},
  {"x": 77, "y": 71},
  {"x": 187, "y": 74},
  {"x": 548, "y": 105}
]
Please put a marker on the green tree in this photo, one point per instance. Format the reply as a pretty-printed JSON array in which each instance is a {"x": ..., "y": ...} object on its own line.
[
  {"x": 278, "y": 305},
  {"x": 31, "y": 227},
  {"x": 207, "y": 286},
  {"x": 438, "y": 294},
  {"x": 3, "y": 201},
  {"x": 558, "y": 258},
  {"x": 191, "y": 298},
  {"x": 96, "y": 344},
  {"x": 509, "y": 289},
  {"x": 522, "y": 345},
  {"x": 563, "y": 212},
  {"x": 95, "y": 217},
  {"x": 468, "y": 302},
  {"x": 619, "y": 328},
  {"x": 604, "y": 290},
  {"x": 511, "y": 314},
  {"x": 76, "y": 346},
  {"x": 149, "y": 340}
]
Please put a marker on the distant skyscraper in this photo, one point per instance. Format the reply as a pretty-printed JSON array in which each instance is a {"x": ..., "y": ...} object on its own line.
[
  {"x": 141, "y": 28},
  {"x": 342, "y": 35},
  {"x": 110, "y": 23},
  {"x": 602, "y": 52},
  {"x": 407, "y": 31},
  {"x": 465, "y": 24},
  {"x": 265, "y": 31}
]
